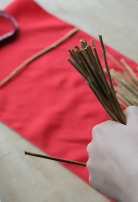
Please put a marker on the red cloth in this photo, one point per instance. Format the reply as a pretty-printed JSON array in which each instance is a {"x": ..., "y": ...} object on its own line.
[{"x": 48, "y": 103}]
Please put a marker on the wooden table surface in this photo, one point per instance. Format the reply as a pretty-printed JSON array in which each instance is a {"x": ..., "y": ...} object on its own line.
[{"x": 25, "y": 179}]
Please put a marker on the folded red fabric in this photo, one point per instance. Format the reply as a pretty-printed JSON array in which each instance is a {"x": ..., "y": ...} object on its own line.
[{"x": 48, "y": 103}]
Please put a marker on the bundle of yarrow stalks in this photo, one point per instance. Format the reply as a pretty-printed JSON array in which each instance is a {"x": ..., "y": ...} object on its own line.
[
  {"x": 86, "y": 61},
  {"x": 126, "y": 83}
]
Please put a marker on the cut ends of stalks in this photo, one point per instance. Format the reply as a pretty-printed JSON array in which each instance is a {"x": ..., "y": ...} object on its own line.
[{"x": 86, "y": 61}]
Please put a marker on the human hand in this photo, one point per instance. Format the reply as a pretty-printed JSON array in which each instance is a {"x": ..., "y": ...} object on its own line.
[{"x": 113, "y": 158}]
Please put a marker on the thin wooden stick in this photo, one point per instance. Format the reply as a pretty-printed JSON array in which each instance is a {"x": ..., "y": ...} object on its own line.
[
  {"x": 55, "y": 159},
  {"x": 114, "y": 60},
  {"x": 123, "y": 102},
  {"x": 106, "y": 63},
  {"x": 38, "y": 54},
  {"x": 129, "y": 71}
]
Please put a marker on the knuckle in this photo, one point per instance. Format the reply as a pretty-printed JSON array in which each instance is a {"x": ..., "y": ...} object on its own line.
[
  {"x": 96, "y": 130},
  {"x": 88, "y": 147},
  {"x": 131, "y": 114},
  {"x": 88, "y": 164},
  {"x": 131, "y": 110},
  {"x": 91, "y": 149}
]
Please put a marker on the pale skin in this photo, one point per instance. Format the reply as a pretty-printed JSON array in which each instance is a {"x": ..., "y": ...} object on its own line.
[{"x": 113, "y": 158}]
